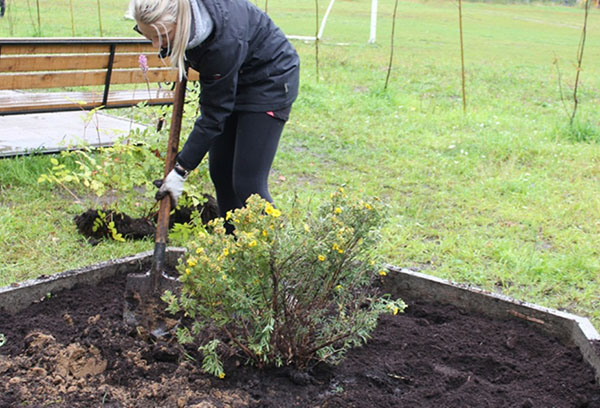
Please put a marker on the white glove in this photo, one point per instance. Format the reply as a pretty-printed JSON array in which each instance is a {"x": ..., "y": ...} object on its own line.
[{"x": 172, "y": 185}]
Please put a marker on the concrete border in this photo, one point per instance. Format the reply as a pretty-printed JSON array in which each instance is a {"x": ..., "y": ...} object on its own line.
[
  {"x": 19, "y": 296},
  {"x": 569, "y": 328}
]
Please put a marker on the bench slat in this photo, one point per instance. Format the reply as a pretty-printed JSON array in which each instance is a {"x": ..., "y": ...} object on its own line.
[
  {"x": 45, "y": 102},
  {"x": 50, "y": 80},
  {"x": 38, "y": 63},
  {"x": 30, "y": 49}
]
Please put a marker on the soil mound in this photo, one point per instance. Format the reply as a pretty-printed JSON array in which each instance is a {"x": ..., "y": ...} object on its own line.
[
  {"x": 95, "y": 224},
  {"x": 74, "y": 350}
]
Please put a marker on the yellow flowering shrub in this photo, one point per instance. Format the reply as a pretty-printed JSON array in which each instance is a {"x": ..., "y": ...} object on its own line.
[{"x": 287, "y": 287}]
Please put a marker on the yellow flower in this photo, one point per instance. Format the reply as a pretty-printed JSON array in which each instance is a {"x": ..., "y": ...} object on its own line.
[
  {"x": 368, "y": 206},
  {"x": 187, "y": 271},
  {"x": 394, "y": 310},
  {"x": 321, "y": 258},
  {"x": 382, "y": 272},
  {"x": 336, "y": 247},
  {"x": 199, "y": 251},
  {"x": 269, "y": 208},
  {"x": 225, "y": 251},
  {"x": 338, "y": 287},
  {"x": 306, "y": 228},
  {"x": 265, "y": 233},
  {"x": 221, "y": 375},
  {"x": 272, "y": 211},
  {"x": 228, "y": 215},
  {"x": 192, "y": 262},
  {"x": 252, "y": 244},
  {"x": 338, "y": 210}
]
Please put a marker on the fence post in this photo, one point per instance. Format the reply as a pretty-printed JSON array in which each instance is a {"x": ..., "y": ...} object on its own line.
[{"x": 373, "y": 21}]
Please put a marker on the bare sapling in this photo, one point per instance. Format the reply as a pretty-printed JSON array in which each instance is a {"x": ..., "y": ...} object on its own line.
[
  {"x": 100, "y": 18},
  {"x": 580, "y": 59},
  {"x": 72, "y": 18},
  {"x": 462, "y": 57},
  {"x": 387, "y": 78}
]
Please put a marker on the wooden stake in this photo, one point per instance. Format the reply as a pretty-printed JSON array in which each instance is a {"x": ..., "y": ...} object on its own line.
[
  {"x": 580, "y": 59},
  {"x": 462, "y": 56},
  {"x": 72, "y": 19},
  {"x": 39, "y": 20},
  {"x": 99, "y": 18},
  {"x": 387, "y": 78}
]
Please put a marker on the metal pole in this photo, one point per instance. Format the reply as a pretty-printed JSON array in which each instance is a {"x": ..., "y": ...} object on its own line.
[
  {"x": 462, "y": 57},
  {"x": 373, "y": 22}
]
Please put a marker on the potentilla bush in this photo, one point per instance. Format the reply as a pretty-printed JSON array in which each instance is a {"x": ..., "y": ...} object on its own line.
[{"x": 285, "y": 288}]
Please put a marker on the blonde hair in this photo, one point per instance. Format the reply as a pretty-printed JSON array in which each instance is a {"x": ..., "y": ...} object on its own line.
[{"x": 159, "y": 13}]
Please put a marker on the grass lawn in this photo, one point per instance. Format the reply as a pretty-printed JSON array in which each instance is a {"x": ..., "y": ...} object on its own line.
[{"x": 504, "y": 197}]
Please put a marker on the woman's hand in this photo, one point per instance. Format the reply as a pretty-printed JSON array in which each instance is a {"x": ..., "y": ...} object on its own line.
[{"x": 172, "y": 185}]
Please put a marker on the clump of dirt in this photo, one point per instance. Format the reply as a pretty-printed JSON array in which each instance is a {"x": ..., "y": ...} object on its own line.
[{"x": 94, "y": 224}]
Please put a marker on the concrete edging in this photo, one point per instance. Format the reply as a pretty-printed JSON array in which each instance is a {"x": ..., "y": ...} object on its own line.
[
  {"x": 18, "y": 296},
  {"x": 568, "y": 327}
]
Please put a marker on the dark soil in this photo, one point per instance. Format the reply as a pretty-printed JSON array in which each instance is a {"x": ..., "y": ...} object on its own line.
[
  {"x": 73, "y": 350},
  {"x": 137, "y": 228}
]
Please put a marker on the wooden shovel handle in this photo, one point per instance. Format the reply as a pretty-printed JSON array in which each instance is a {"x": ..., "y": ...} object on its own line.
[{"x": 162, "y": 227}]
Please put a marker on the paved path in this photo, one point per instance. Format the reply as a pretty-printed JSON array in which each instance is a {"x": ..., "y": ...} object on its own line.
[{"x": 52, "y": 132}]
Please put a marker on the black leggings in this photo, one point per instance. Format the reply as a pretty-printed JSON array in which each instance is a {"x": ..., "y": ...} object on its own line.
[{"x": 241, "y": 158}]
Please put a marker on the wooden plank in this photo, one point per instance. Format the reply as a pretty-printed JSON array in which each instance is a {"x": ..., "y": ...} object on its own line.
[
  {"x": 32, "y": 49},
  {"x": 52, "y": 63},
  {"x": 137, "y": 48},
  {"x": 36, "y": 102},
  {"x": 51, "y": 80},
  {"x": 48, "y": 80},
  {"x": 14, "y": 64}
]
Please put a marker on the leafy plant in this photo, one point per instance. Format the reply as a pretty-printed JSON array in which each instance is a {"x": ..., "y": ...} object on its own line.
[
  {"x": 105, "y": 221},
  {"x": 284, "y": 289},
  {"x": 122, "y": 172}
]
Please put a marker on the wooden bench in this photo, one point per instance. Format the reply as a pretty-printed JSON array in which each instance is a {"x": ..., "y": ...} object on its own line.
[{"x": 56, "y": 65}]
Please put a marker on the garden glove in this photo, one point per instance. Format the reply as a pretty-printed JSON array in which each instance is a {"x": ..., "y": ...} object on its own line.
[{"x": 172, "y": 184}]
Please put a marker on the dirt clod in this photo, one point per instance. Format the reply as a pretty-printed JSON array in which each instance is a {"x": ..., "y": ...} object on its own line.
[{"x": 95, "y": 224}]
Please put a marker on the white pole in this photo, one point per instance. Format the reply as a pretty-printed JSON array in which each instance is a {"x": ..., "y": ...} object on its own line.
[
  {"x": 130, "y": 10},
  {"x": 320, "y": 35},
  {"x": 373, "y": 21}
]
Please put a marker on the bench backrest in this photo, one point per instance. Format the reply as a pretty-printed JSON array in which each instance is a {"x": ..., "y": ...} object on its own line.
[{"x": 50, "y": 63}]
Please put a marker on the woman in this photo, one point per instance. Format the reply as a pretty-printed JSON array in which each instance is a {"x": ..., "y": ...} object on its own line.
[{"x": 249, "y": 75}]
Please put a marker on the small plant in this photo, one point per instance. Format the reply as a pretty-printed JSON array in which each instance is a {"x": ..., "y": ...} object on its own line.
[
  {"x": 115, "y": 172},
  {"x": 105, "y": 221},
  {"x": 283, "y": 289}
]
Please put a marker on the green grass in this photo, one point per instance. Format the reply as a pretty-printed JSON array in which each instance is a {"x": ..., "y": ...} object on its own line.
[{"x": 504, "y": 197}]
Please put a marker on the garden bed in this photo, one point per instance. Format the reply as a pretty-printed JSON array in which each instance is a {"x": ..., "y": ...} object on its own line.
[{"x": 70, "y": 348}]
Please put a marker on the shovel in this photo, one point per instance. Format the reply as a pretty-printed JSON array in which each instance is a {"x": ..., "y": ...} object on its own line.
[{"x": 142, "y": 293}]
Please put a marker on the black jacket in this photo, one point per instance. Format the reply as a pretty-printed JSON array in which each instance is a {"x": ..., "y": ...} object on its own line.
[{"x": 246, "y": 64}]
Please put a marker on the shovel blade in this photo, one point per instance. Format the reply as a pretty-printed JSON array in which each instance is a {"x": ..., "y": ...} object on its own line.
[{"x": 143, "y": 306}]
